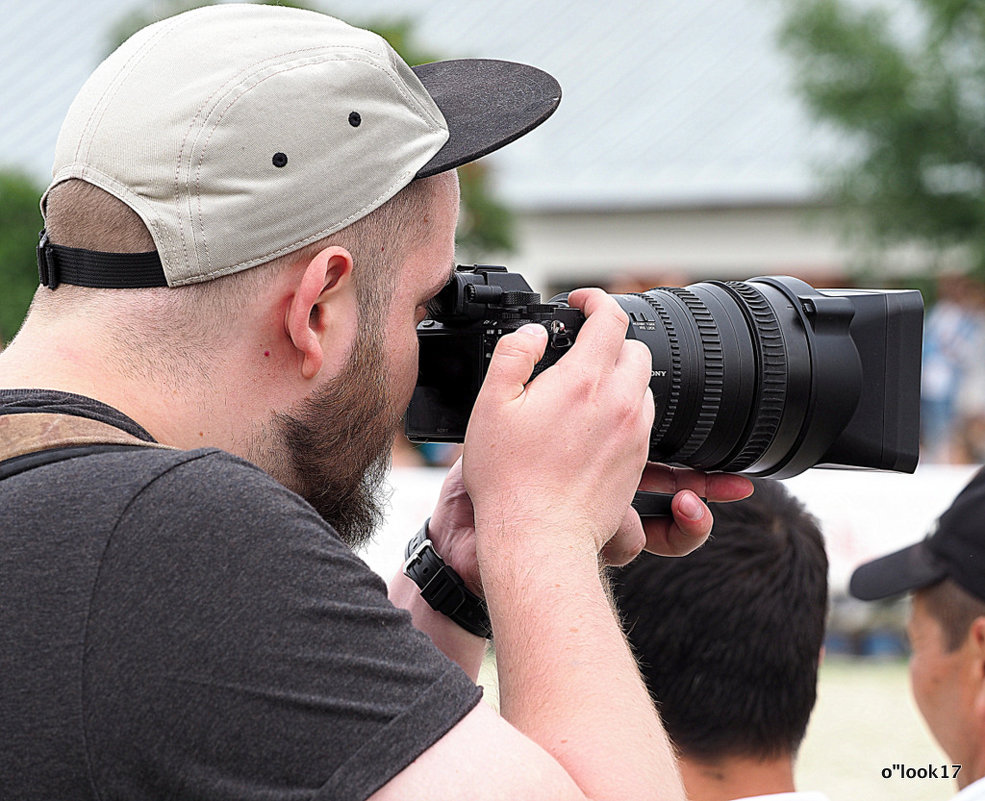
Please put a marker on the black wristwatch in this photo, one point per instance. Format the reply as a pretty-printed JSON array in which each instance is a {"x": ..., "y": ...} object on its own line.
[{"x": 442, "y": 587}]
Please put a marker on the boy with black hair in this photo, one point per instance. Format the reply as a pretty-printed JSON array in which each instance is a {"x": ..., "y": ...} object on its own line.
[{"x": 729, "y": 640}]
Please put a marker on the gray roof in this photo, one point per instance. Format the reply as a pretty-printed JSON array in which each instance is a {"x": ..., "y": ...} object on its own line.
[{"x": 666, "y": 102}]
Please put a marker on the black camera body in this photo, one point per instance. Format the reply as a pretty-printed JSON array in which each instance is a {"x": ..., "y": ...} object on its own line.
[
  {"x": 767, "y": 376},
  {"x": 481, "y": 304}
]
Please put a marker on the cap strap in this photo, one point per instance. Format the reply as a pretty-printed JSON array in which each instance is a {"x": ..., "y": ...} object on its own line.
[{"x": 62, "y": 265}]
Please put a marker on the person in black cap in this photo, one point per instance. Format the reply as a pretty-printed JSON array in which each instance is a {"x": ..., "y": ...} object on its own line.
[
  {"x": 251, "y": 207},
  {"x": 945, "y": 575}
]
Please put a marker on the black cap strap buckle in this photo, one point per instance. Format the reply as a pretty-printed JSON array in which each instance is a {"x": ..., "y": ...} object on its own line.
[{"x": 47, "y": 262}]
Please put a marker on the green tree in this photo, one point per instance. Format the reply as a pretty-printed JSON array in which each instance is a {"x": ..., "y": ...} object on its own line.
[
  {"x": 485, "y": 225},
  {"x": 20, "y": 222},
  {"x": 908, "y": 91}
]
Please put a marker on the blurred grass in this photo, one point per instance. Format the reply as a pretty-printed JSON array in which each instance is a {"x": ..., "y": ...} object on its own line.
[{"x": 865, "y": 720}]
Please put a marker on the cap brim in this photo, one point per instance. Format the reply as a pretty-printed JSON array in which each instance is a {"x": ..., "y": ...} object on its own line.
[
  {"x": 487, "y": 104},
  {"x": 903, "y": 571}
]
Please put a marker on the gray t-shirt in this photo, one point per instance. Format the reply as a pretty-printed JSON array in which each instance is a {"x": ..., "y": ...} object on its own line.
[{"x": 177, "y": 625}]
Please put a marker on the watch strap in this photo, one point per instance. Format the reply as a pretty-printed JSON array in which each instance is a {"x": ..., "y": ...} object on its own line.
[{"x": 442, "y": 587}]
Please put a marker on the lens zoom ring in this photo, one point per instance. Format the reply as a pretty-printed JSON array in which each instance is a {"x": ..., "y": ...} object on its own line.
[
  {"x": 714, "y": 372},
  {"x": 659, "y": 431},
  {"x": 773, "y": 374}
]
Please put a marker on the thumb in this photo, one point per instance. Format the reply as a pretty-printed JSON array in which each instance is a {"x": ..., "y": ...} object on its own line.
[{"x": 513, "y": 361}]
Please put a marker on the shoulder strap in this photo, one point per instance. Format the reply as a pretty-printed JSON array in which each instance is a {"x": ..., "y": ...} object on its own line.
[
  {"x": 28, "y": 461},
  {"x": 30, "y": 439}
]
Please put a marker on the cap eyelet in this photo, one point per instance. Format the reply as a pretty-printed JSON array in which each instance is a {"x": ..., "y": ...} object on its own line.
[
  {"x": 279, "y": 160},
  {"x": 355, "y": 119}
]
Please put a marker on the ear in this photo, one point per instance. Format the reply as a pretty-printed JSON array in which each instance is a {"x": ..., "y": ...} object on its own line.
[
  {"x": 975, "y": 643},
  {"x": 323, "y": 303},
  {"x": 976, "y": 639}
]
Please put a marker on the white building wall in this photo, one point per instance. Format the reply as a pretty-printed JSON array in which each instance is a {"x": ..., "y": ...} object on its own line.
[{"x": 566, "y": 249}]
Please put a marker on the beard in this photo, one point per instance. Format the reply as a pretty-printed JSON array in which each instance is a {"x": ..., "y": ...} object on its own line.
[{"x": 338, "y": 443}]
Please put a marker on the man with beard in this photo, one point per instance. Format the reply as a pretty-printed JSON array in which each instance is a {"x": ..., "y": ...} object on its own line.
[{"x": 250, "y": 209}]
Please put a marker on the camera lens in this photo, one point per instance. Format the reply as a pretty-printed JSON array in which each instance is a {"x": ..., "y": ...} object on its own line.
[
  {"x": 719, "y": 372},
  {"x": 757, "y": 376}
]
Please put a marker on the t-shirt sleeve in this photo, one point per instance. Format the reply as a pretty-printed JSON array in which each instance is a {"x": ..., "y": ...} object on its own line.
[{"x": 237, "y": 649}]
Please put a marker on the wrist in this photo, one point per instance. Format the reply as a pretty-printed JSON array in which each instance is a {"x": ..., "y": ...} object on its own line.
[
  {"x": 504, "y": 546},
  {"x": 468, "y": 650},
  {"x": 442, "y": 588}
]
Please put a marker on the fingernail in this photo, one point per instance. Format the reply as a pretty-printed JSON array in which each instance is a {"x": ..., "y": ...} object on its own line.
[
  {"x": 532, "y": 330},
  {"x": 691, "y": 507}
]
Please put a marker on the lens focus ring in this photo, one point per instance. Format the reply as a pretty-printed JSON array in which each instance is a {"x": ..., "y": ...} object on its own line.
[
  {"x": 768, "y": 409},
  {"x": 714, "y": 371},
  {"x": 661, "y": 427}
]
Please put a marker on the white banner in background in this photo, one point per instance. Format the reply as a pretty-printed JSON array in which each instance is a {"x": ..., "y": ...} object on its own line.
[{"x": 862, "y": 514}]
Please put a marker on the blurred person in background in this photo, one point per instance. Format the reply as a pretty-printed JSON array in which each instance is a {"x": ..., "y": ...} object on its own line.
[
  {"x": 971, "y": 396},
  {"x": 945, "y": 577},
  {"x": 729, "y": 641},
  {"x": 952, "y": 390}
]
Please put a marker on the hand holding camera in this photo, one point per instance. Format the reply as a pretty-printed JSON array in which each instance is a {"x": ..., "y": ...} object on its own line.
[{"x": 580, "y": 471}]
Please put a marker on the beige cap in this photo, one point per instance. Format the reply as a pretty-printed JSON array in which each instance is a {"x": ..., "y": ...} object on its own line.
[{"x": 242, "y": 132}]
